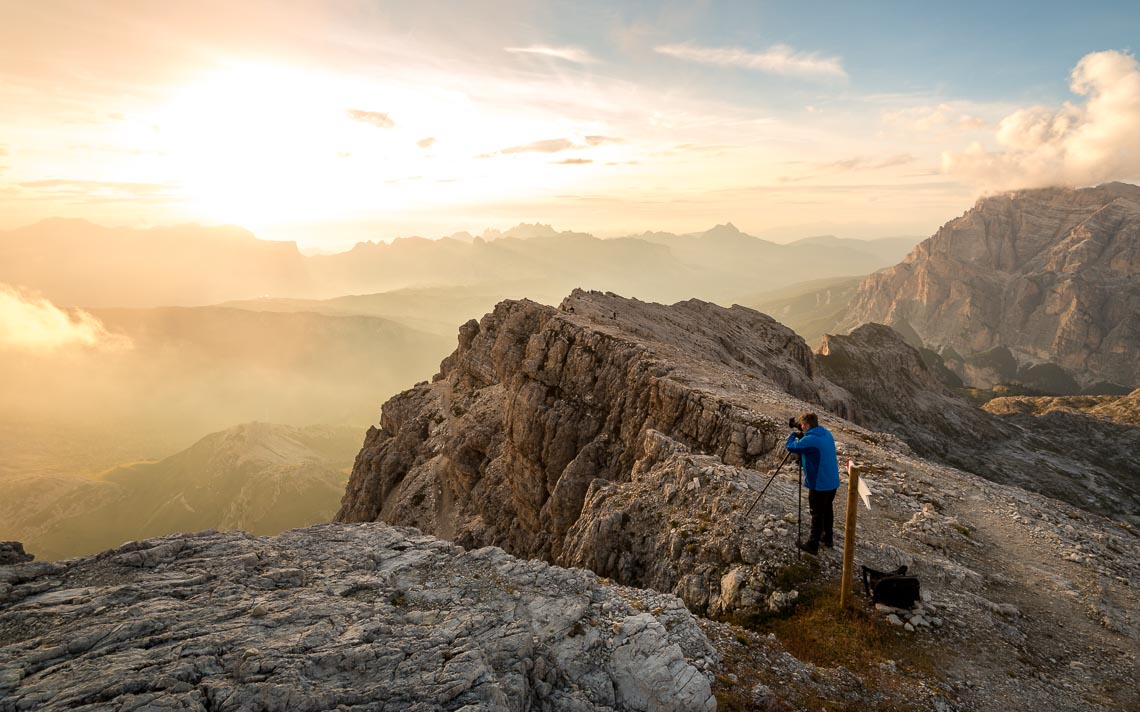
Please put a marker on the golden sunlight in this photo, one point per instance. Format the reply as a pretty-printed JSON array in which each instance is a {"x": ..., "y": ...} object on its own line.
[{"x": 262, "y": 145}]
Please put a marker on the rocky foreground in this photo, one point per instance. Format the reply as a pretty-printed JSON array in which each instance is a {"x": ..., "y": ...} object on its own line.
[
  {"x": 631, "y": 439},
  {"x": 362, "y": 617}
]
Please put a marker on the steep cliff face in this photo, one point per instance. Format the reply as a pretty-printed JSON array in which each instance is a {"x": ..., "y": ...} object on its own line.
[
  {"x": 540, "y": 407},
  {"x": 1051, "y": 274}
]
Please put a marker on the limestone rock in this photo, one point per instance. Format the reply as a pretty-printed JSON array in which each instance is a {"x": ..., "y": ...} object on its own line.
[
  {"x": 376, "y": 618},
  {"x": 12, "y": 552},
  {"x": 1050, "y": 274}
]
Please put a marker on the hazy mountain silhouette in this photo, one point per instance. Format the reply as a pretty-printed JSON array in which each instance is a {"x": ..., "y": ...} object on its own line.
[
  {"x": 258, "y": 477},
  {"x": 73, "y": 262}
]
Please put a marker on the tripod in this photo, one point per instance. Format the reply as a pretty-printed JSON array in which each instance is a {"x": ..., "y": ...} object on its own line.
[{"x": 799, "y": 495}]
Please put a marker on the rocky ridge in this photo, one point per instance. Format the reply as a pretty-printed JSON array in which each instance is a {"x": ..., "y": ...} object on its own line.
[
  {"x": 362, "y": 617},
  {"x": 631, "y": 438},
  {"x": 1050, "y": 274},
  {"x": 1123, "y": 410},
  {"x": 1087, "y": 461}
]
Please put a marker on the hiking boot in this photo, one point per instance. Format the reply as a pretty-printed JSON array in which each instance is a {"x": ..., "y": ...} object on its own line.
[{"x": 808, "y": 547}]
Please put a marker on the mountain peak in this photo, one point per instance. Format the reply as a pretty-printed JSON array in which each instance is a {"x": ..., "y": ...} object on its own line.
[{"x": 725, "y": 230}]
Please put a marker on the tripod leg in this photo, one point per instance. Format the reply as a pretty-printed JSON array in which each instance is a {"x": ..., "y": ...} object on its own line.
[
  {"x": 769, "y": 483},
  {"x": 800, "y": 506}
]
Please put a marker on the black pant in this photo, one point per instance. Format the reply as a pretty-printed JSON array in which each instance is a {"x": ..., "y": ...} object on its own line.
[{"x": 822, "y": 517}]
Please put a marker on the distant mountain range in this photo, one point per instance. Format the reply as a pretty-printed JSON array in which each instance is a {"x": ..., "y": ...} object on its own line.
[
  {"x": 77, "y": 263},
  {"x": 258, "y": 477}
]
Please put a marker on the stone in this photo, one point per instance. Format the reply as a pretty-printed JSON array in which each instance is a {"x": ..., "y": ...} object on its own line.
[
  {"x": 12, "y": 552},
  {"x": 894, "y": 620},
  {"x": 434, "y": 627}
]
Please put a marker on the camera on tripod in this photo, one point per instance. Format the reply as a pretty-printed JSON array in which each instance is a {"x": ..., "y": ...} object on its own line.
[{"x": 794, "y": 424}]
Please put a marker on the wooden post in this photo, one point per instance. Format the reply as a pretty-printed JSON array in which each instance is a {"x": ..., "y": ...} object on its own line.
[{"x": 849, "y": 534}]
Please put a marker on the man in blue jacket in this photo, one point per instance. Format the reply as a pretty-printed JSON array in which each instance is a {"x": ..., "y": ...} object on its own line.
[{"x": 816, "y": 449}]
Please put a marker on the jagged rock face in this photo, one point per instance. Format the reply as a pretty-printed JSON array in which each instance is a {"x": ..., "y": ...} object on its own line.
[
  {"x": 1083, "y": 459},
  {"x": 896, "y": 390},
  {"x": 1051, "y": 274},
  {"x": 12, "y": 552},
  {"x": 349, "y": 617},
  {"x": 538, "y": 407}
]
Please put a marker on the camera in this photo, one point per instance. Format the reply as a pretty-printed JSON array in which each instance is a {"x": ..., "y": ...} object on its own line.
[{"x": 794, "y": 424}]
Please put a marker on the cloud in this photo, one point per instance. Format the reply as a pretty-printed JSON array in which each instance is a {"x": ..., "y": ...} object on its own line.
[
  {"x": 33, "y": 323},
  {"x": 96, "y": 191},
  {"x": 777, "y": 59},
  {"x": 1071, "y": 145},
  {"x": 426, "y": 142},
  {"x": 943, "y": 117},
  {"x": 553, "y": 145},
  {"x": 378, "y": 119},
  {"x": 569, "y": 54},
  {"x": 855, "y": 163},
  {"x": 572, "y": 162}
]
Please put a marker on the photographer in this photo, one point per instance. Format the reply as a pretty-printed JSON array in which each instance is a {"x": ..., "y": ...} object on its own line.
[{"x": 816, "y": 448}]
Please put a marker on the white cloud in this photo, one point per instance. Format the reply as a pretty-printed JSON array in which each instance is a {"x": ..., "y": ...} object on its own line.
[
  {"x": 569, "y": 54},
  {"x": 35, "y": 324},
  {"x": 777, "y": 59},
  {"x": 941, "y": 117},
  {"x": 1071, "y": 145}
]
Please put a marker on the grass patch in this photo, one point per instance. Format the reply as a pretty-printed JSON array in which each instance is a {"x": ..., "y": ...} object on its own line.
[{"x": 817, "y": 630}]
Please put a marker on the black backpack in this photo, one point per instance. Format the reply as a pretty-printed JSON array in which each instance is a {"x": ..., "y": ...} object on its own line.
[{"x": 891, "y": 588}]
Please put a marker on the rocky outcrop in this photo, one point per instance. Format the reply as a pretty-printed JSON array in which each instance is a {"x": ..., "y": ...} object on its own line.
[
  {"x": 1123, "y": 410},
  {"x": 363, "y": 617},
  {"x": 897, "y": 391},
  {"x": 540, "y": 410},
  {"x": 12, "y": 552},
  {"x": 1050, "y": 274},
  {"x": 1067, "y": 454}
]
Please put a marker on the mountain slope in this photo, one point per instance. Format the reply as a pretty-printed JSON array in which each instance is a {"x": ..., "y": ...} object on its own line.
[
  {"x": 633, "y": 439},
  {"x": 1051, "y": 274},
  {"x": 257, "y": 477}
]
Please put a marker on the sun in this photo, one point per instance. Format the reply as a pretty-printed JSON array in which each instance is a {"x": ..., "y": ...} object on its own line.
[
  {"x": 267, "y": 145},
  {"x": 257, "y": 145}
]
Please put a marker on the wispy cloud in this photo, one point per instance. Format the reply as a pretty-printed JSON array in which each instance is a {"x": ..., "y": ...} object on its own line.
[
  {"x": 866, "y": 163},
  {"x": 426, "y": 142},
  {"x": 29, "y": 322},
  {"x": 552, "y": 145},
  {"x": 378, "y": 119},
  {"x": 95, "y": 191},
  {"x": 777, "y": 59},
  {"x": 576, "y": 55},
  {"x": 572, "y": 162},
  {"x": 945, "y": 117},
  {"x": 555, "y": 145}
]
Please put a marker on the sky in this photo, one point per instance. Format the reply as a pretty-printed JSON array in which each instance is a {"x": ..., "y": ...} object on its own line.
[{"x": 332, "y": 122}]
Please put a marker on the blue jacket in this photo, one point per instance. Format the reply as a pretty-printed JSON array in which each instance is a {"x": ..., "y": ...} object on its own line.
[{"x": 817, "y": 453}]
